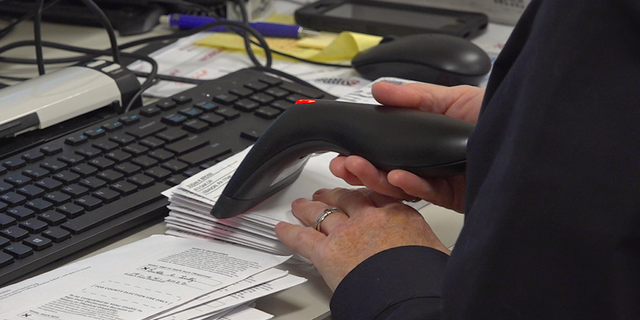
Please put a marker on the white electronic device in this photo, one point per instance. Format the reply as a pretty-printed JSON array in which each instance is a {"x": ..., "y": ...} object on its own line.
[{"x": 63, "y": 94}]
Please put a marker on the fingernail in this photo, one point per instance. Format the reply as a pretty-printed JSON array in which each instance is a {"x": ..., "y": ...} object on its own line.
[{"x": 320, "y": 192}]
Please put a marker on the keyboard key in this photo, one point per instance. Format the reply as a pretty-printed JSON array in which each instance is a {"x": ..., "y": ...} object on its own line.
[
  {"x": 166, "y": 105},
  {"x": 13, "y": 198},
  {"x": 124, "y": 188},
  {"x": 49, "y": 184},
  {"x": 38, "y": 243},
  {"x": 181, "y": 99},
  {"x": 35, "y": 172},
  {"x": 227, "y": 113},
  {"x": 106, "y": 195},
  {"x": 246, "y": 105},
  {"x": 31, "y": 191},
  {"x": 101, "y": 163},
  {"x": 190, "y": 112},
  {"x": 14, "y": 233},
  {"x": 135, "y": 149},
  {"x": 57, "y": 198},
  {"x": 141, "y": 180},
  {"x": 201, "y": 155},
  {"x": 130, "y": 119},
  {"x": 21, "y": 213},
  {"x": 262, "y": 98},
  {"x": 18, "y": 251},
  {"x": 95, "y": 133},
  {"x": 105, "y": 145},
  {"x": 161, "y": 155},
  {"x": 144, "y": 162},
  {"x": 187, "y": 145},
  {"x": 92, "y": 183},
  {"x": 89, "y": 202},
  {"x": 39, "y": 205},
  {"x": 115, "y": 209},
  {"x": 54, "y": 166},
  {"x": 70, "y": 210},
  {"x": 212, "y": 119},
  {"x": 56, "y": 234},
  {"x": 172, "y": 135},
  {"x": 87, "y": 152},
  {"x": 84, "y": 170},
  {"x": 110, "y": 176},
  {"x": 34, "y": 225},
  {"x": 14, "y": 163},
  {"x": 33, "y": 156},
  {"x": 268, "y": 113},
  {"x": 195, "y": 126},
  {"x": 76, "y": 140},
  {"x": 5, "y": 187},
  {"x": 122, "y": 139},
  {"x": 174, "y": 119},
  {"x": 152, "y": 143},
  {"x": 144, "y": 129},
  {"x": 158, "y": 173},
  {"x": 225, "y": 98},
  {"x": 175, "y": 166},
  {"x": 17, "y": 180},
  {"x": 206, "y": 106},
  {"x": 127, "y": 168},
  {"x": 52, "y": 218},
  {"x": 118, "y": 156},
  {"x": 6, "y": 220},
  {"x": 5, "y": 259},
  {"x": 150, "y": 111},
  {"x": 112, "y": 126},
  {"x": 66, "y": 177},
  {"x": 51, "y": 149}
]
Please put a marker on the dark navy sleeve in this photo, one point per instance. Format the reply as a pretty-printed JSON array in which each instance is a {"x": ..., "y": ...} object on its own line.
[{"x": 398, "y": 283}]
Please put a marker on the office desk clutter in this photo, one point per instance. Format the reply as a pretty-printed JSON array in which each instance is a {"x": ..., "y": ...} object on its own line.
[
  {"x": 65, "y": 194},
  {"x": 85, "y": 186}
]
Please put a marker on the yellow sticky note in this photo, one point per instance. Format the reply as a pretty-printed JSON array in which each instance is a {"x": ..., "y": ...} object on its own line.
[{"x": 344, "y": 46}]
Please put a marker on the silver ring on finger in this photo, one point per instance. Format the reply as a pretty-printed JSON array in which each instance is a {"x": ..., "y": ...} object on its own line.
[{"x": 324, "y": 215}]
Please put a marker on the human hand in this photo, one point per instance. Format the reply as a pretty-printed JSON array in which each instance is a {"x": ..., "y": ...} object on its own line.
[
  {"x": 368, "y": 223},
  {"x": 460, "y": 102}
]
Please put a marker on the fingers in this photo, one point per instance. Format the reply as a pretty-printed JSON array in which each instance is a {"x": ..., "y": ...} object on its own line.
[
  {"x": 350, "y": 201},
  {"x": 337, "y": 168},
  {"x": 300, "y": 239},
  {"x": 460, "y": 102},
  {"x": 448, "y": 193},
  {"x": 359, "y": 170},
  {"x": 309, "y": 211}
]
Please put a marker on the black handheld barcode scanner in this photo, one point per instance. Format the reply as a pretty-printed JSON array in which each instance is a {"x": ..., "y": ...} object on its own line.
[{"x": 429, "y": 145}]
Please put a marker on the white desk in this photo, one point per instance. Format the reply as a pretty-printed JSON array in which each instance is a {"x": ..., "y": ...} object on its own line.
[{"x": 307, "y": 301}]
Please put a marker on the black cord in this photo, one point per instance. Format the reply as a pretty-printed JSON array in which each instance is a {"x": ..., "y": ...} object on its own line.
[
  {"x": 115, "y": 51},
  {"x": 37, "y": 35}
]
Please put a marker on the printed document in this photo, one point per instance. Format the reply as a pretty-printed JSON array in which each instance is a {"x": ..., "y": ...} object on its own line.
[{"x": 146, "y": 278}]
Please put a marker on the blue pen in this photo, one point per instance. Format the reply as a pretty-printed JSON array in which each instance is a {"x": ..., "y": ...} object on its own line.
[{"x": 266, "y": 29}]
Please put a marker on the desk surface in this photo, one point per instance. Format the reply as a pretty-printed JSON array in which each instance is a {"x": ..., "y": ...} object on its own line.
[{"x": 307, "y": 301}]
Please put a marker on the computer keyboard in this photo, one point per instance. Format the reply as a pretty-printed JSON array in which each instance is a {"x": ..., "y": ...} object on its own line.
[{"x": 75, "y": 190}]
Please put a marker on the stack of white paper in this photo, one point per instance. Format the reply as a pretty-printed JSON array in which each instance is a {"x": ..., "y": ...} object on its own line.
[
  {"x": 193, "y": 199},
  {"x": 160, "y": 277}
]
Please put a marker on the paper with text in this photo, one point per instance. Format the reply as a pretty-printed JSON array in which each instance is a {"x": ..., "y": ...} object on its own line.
[{"x": 143, "y": 279}]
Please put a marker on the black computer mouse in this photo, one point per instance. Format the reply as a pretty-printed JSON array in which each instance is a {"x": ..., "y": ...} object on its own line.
[{"x": 433, "y": 58}]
